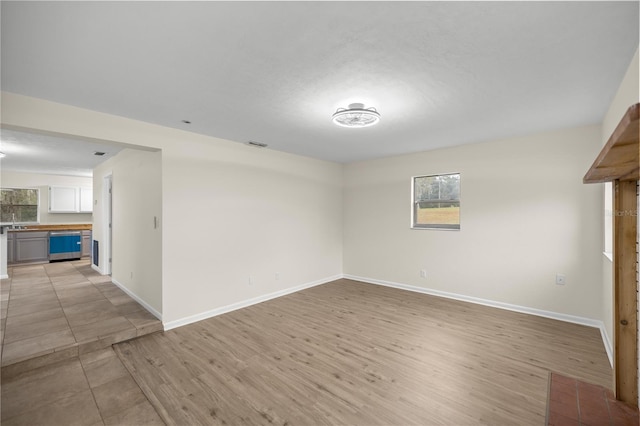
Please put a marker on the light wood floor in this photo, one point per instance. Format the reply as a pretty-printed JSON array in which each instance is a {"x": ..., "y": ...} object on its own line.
[{"x": 358, "y": 354}]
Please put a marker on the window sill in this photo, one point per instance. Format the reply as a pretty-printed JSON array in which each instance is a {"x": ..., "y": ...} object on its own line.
[{"x": 608, "y": 255}]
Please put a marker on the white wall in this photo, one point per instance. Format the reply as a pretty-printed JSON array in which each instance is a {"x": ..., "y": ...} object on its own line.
[
  {"x": 137, "y": 243},
  {"x": 628, "y": 94},
  {"x": 525, "y": 216},
  {"x": 229, "y": 211},
  {"x": 10, "y": 179},
  {"x": 257, "y": 213}
]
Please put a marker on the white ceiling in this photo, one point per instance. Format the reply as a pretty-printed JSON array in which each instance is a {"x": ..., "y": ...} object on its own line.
[
  {"x": 37, "y": 153},
  {"x": 439, "y": 73}
]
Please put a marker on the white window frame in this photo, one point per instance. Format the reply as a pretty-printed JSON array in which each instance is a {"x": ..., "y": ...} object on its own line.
[{"x": 414, "y": 205}]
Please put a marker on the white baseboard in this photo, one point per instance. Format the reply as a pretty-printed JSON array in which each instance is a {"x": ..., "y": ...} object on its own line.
[
  {"x": 501, "y": 305},
  {"x": 4, "y": 277},
  {"x": 607, "y": 343},
  {"x": 138, "y": 299},
  {"x": 98, "y": 270},
  {"x": 243, "y": 304}
]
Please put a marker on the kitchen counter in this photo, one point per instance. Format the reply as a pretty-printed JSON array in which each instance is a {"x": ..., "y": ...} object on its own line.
[
  {"x": 53, "y": 227},
  {"x": 44, "y": 243}
]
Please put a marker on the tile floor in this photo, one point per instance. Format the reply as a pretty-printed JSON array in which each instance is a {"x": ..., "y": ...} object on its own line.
[
  {"x": 573, "y": 402},
  {"x": 58, "y": 322},
  {"x": 92, "y": 389},
  {"x": 56, "y": 310}
]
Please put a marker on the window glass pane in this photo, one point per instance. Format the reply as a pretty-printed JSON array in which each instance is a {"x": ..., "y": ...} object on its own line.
[
  {"x": 18, "y": 205},
  {"x": 436, "y": 201}
]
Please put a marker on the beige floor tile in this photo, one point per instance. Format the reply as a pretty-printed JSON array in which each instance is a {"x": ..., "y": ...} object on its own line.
[
  {"x": 30, "y": 298},
  {"x": 117, "y": 396},
  {"x": 92, "y": 331},
  {"x": 142, "y": 318},
  {"x": 112, "y": 292},
  {"x": 36, "y": 346},
  {"x": 104, "y": 370},
  {"x": 26, "y": 331},
  {"x": 74, "y": 296},
  {"x": 60, "y": 355},
  {"x": 28, "y": 281},
  {"x": 68, "y": 280},
  {"x": 95, "y": 356},
  {"x": 100, "y": 279},
  {"x": 88, "y": 312},
  {"x": 78, "y": 409},
  {"x": 29, "y": 290},
  {"x": 49, "y": 314},
  {"x": 120, "y": 299},
  {"x": 43, "y": 386},
  {"x": 33, "y": 308},
  {"x": 108, "y": 340},
  {"x": 71, "y": 285},
  {"x": 129, "y": 307},
  {"x": 140, "y": 414},
  {"x": 60, "y": 268}
]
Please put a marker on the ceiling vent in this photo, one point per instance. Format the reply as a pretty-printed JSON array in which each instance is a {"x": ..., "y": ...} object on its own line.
[
  {"x": 99, "y": 153},
  {"x": 257, "y": 144}
]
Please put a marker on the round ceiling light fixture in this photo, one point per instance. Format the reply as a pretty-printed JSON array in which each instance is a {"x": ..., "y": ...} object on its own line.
[{"x": 356, "y": 116}]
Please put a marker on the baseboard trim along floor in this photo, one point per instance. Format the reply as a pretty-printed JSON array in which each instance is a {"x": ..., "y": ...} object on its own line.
[
  {"x": 244, "y": 303},
  {"x": 500, "y": 305}
]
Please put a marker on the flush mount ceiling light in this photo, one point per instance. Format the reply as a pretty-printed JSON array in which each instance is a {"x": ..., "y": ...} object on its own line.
[{"x": 356, "y": 116}]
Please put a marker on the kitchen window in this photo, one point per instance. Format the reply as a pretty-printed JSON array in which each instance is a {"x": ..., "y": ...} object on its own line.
[
  {"x": 19, "y": 205},
  {"x": 436, "y": 202}
]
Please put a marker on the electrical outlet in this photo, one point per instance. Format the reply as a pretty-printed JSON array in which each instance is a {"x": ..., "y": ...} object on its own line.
[
  {"x": 561, "y": 279},
  {"x": 132, "y": 275},
  {"x": 250, "y": 282},
  {"x": 277, "y": 276},
  {"x": 423, "y": 273}
]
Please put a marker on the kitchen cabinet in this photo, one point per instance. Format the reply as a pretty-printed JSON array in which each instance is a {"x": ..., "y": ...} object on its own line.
[
  {"x": 86, "y": 243},
  {"x": 64, "y": 199},
  {"x": 86, "y": 200},
  {"x": 10, "y": 247},
  {"x": 70, "y": 199},
  {"x": 31, "y": 246}
]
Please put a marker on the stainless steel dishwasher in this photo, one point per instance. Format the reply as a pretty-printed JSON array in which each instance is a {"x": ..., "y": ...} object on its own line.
[{"x": 65, "y": 245}]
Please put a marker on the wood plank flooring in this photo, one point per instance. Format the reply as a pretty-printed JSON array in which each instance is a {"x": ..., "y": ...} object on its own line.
[{"x": 359, "y": 354}]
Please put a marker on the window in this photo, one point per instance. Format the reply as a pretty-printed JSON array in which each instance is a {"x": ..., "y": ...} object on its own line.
[
  {"x": 436, "y": 202},
  {"x": 18, "y": 205}
]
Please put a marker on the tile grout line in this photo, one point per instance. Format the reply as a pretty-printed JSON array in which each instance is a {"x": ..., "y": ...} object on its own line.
[
  {"x": 60, "y": 303},
  {"x": 95, "y": 401}
]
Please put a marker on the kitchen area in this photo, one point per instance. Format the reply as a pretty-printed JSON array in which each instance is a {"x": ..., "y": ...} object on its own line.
[{"x": 29, "y": 234}]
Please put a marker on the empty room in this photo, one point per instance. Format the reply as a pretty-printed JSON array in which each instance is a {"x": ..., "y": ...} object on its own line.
[{"x": 319, "y": 213}]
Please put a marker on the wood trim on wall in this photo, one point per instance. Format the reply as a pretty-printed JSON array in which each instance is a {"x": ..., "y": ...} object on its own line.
[{"x": 624, "y": 288}]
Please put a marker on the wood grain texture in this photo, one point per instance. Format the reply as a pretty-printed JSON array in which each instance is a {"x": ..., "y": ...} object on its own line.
[
  {"x": 624, "y": 291},
  {"x": 619, "y": 159},
  {"x": 360, "y": 354}
]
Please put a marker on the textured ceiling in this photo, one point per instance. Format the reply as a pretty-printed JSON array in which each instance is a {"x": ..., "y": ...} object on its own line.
[
  {"x": 36, "y": 153},
  {"x": 439, "y": 73}
]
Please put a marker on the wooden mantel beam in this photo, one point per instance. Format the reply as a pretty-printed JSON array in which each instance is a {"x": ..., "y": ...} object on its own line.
[{"x": 619, "y": 157}]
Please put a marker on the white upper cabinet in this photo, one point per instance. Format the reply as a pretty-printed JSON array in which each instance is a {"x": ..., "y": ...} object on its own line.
[
  {"x": 70, "y": 199},
  {"x": 86, "y": 200}
]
